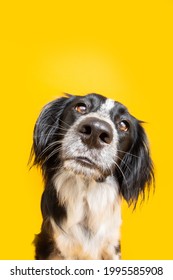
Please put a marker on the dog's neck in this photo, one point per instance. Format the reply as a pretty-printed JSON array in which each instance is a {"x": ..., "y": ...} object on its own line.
[
  {"x": 78, "y": 193},
  {"x": 93, "y": 212}
]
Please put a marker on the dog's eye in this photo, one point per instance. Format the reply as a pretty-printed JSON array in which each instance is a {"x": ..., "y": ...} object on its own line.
[
  {"x": 123, "y": 126},
  {"x": 81, "y": 108}
]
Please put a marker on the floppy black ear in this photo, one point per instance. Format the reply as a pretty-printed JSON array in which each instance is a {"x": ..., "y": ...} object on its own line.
[
  {"x": 46, "y": 128},
  {"x": 136, "y": 168}
]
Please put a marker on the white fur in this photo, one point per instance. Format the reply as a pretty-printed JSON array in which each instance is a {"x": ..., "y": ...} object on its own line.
[
  {"x": 106, "y": 107},
  {"x": 91, "y": 229}
]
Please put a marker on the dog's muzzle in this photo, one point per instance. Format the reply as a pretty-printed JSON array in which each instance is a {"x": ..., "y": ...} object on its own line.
[{"x": 89, "y": 147}]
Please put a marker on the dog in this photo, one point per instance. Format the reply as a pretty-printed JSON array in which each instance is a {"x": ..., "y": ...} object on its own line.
[{"x": 92, "y": 153}]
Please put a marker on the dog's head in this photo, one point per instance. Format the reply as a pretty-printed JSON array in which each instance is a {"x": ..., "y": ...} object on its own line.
[{"x": 94, "y": 137}]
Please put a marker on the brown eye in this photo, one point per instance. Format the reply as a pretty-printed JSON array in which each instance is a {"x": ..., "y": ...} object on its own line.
[
  {"x": 123, "y": 126},
  {"x": 81, "y": 108}
]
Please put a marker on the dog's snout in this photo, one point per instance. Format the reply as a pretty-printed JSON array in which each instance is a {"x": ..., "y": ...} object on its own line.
[{"x": 95, "y": 132}]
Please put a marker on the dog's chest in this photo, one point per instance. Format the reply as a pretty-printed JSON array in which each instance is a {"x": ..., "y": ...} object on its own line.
[{"x": 93, "y": 215}]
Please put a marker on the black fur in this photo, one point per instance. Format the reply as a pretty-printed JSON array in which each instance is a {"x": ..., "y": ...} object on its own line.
[{"x": 140, "y": 174}]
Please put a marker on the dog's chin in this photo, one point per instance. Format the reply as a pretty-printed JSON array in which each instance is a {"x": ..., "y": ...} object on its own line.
[{"x": 86, "y": 168}]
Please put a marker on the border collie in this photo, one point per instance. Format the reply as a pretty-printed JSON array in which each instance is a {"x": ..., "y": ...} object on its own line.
[{"x": 92, "y": 153}]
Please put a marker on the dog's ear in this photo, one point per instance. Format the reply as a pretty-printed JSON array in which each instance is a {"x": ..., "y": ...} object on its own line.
[
  {"x": 45, "y": 131},
  {"x": 136, "y": 168}
]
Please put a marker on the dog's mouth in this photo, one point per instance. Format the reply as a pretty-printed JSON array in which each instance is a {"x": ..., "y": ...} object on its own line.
[
  {"x": 86, "y": 167},
  {"x": 84, "y": 161}
]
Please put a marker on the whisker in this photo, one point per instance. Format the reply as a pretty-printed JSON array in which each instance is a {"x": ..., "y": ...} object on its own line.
[
  {"x": 46, "y": 134},
  {"x": 52, "y": 154},
  {"x": 56, "y": 126},
  {"x": 127, "y": 153},
  {"x": 50, "y": 125},
  {"x": 63, "y": 129},
  {"x": 49, "y": 147},
  {"x": 65, "y": 123},
  {"x": 121, "y": 173},
  {"x": 124, "y": 163},
  {"x": 52, "y": 133}
]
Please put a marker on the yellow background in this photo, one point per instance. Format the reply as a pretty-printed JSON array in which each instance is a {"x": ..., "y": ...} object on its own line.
[{"x": 121, "y": 49}]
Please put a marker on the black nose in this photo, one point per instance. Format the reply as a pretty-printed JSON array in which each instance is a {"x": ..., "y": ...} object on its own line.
[{"x": 95, "y": 133}]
